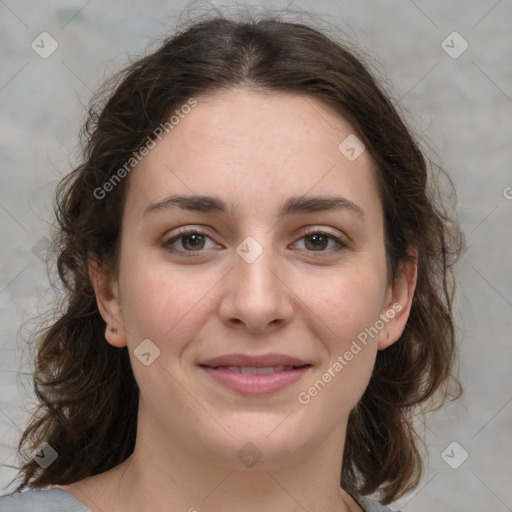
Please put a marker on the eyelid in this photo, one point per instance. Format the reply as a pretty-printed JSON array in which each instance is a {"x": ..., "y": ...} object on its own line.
[
  {"x": 311, "y": 230},
  {"x": 191, "y": 229},
  {"x": 182, "y": 231}
]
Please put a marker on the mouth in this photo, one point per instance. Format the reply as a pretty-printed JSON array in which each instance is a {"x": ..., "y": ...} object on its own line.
[
  {"x": 254, "y": 370},
  {"x": 255, "y": 375}
]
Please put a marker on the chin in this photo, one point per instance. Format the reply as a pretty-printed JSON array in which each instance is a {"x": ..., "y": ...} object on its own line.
[{"x": 262, "y": 437}]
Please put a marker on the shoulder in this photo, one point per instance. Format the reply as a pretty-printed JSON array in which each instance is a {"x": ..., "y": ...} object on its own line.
[
  {"x": 373, "y": 506},
  {"x": 48, "y": 500}
]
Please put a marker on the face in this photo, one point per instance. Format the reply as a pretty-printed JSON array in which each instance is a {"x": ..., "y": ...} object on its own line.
[{"x": 269, "y": 272}]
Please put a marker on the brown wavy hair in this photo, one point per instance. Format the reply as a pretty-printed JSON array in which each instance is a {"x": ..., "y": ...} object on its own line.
[{"x": 87, "y": 391}]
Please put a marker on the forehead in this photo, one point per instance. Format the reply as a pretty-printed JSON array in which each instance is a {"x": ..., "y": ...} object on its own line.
[
  {"x": 256, "y": 144},
  {"x": 249, "y": 119}
]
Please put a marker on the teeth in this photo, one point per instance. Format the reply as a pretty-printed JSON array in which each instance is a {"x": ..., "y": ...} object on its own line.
[
  {"x": 248, "y": 371},
  {"x": 269, "y": 369},
  {"x": 258, "y": 371}
]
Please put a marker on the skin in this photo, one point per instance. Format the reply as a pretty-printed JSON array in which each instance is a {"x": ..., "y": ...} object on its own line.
[{"x": 310, "y": 301}]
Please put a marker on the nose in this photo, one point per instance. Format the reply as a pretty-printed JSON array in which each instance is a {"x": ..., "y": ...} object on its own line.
[{"x": 256, "y": 294}]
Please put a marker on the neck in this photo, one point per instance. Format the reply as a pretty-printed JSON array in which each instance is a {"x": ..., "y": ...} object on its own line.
[
  {"x": 182, "y": 478},
  {"x": 167, "y": 475}
]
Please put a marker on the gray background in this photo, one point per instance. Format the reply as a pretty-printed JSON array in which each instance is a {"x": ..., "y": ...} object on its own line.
[{"x": 460, "y": 106}]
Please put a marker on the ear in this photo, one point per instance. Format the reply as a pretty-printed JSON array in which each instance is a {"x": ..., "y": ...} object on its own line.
[
  {"x": 106, "y": 289},
  {"x": 398, "y": 303}
]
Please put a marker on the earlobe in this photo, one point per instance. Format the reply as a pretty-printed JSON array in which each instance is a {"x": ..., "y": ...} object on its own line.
[
  {"x": 107, "y": 298},
  {"x": 398, "y": 306}
]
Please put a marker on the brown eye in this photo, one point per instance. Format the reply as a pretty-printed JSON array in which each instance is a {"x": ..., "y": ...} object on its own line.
[
  {"x": 188, "y": 240},
  {"x": 318, "y": 241},
  {"x": 192, "y": 241}
]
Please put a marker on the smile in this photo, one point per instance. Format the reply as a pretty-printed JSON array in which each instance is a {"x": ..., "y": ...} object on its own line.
[
  {"x": 255, "y": 381},
  {"x": 247, "y": 370}
]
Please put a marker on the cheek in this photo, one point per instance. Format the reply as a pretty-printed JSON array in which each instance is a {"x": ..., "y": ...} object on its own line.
[
  {"x": 158, "y": 302},
  {"x": 347, "y": 302},
  {"x": 347, "y": 310}
]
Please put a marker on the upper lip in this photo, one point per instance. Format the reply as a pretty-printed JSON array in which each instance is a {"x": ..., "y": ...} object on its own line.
[{"x": 256, "y": 361}]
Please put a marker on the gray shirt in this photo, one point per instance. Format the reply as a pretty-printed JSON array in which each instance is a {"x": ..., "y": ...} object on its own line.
[
  {"x": 57, "y": 500},
  {"x": 49, "y": 500}
]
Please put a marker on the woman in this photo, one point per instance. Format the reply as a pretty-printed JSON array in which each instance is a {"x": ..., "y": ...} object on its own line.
[{"x": 258, "y": 287}]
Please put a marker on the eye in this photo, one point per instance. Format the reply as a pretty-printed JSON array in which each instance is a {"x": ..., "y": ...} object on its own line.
[
  {"x": 192, "y": 240},
  {"x": 317, "y": 241}
]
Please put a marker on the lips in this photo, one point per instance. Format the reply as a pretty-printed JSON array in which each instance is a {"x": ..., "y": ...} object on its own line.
[{"x": 255, "y": 375}]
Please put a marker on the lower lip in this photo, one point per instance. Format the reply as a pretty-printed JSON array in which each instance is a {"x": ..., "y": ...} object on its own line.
[{"x": 254, "y": 385}]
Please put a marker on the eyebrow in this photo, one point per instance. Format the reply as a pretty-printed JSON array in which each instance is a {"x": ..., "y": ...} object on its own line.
[{"x": 292, "y": 206}]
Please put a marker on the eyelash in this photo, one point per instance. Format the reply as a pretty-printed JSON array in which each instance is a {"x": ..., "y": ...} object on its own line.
[{"x": 341, "y": 244}]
